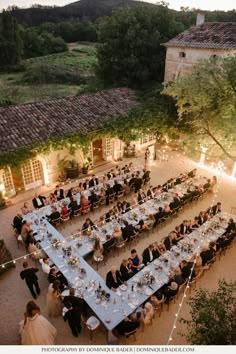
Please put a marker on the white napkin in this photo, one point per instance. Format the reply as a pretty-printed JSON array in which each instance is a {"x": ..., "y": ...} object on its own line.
[{"x": 131, "y": 305}]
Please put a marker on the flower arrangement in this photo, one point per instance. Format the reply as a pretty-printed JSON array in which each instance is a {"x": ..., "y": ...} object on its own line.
[
  {"x": 67, "y": 250},
  {"x": 147, "y": 278},
  {"x": 73, "y": 261},
  {"x": 56, "y": 243}
]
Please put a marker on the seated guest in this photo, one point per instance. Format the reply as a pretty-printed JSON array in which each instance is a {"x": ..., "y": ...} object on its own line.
[
  {"x": 158, "y": 216},
  {"x": 157, "y": 250},
  {"x": 231, "y": 225},
  {"x": 26, "y": 208},
  {"x": 136, "y": 263},
  {"x": 192, "y": 173},
  {"x": 125, "y": 207},
  {"x": 25, "y": 230},
  {"x": 170, "y": 290},
  {"x": 84, "y": 204},
  {"x": 175, "y": 204},
  {"x": 110, "y": 242},
  {"x": 194, "y": 224},
  {"x": 146, "y": 176},
  {"x": 141, "y": 196},
  {"x": 168, "y": 185},
  {"x": 93, "y": 181},
  {"x": 29, "y": 237},
  {"x": 101, "y": 221},
  {"x": 55, "y": 215},
  {"x": 98, "y": 250},
  {"x": 59, "y": 193},
  {"x": 127, "y": 326},
  {"x": 186, "y": 269},
  {"x": 110, "y": 215},
  {"x": 64, "y": 210},
  {"x": 17, "y": 222},
  {"x": 117, "y": 234},
  {"x": 117, "y": 187},
  {"x": 93, "y": 199},
  {"x": 169, "y": 241},
  {"x": 201, "y": 218},
  {"x": 109, "y": 192},
  {"x": 148, "y": 313},
  {"x": 69, "y": 193},
  {"x": 86, "y": 184},
  {"x": 88, "y": 226},
  {"x": 127, "y": 231},
  {"x": 34, "y": 249},
  {"x": 166, "y": 209},
  {"x": 150, "y": 192},
  {"x": 207, "y": 185},
  {"x": 45, "y": 265},
  {"x": 207, "y": 254},
  {"x": 125, "y": 269},
  {"x": 73, "y": 205},
  {"x": 38, "y": 201},
  {"x": 137, "y": 183},
  {"x": 141, "y": 226},
  {"x": 184, "y": 228},
  {"x": 177, "y": 276},
  {"x": 113, "y": 279},
  {"x": 57, "y": 275},
  {"x": 148, "y": 254}
]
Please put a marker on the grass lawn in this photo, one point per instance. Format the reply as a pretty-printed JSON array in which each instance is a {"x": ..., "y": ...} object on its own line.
[{"x": 81, "y": 58}]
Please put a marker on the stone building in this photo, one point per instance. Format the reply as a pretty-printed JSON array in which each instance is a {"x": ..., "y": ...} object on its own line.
[
  {"x": 198, "y": 42},
  {"x": 34, "y": 124}
]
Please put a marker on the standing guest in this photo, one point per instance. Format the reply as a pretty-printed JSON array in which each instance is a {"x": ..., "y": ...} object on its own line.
[
  {"x": 148, "y": 254},
  {"x": 138, "y": 182},
  {"x": 38, "y": 201},
  {"x": 54, "y": 304},
  {"x": 93, "y": 181},
  {"x": 72, "y": 315},
  {"x": 75, "y": 301},
  {"x": 36, "y": 329},
  {"x": 31, "y": 279},
  {"x": 26, "y": 209},
  {"x": 113, "y": 279},
  {"x": 17, "y": 222},
  {"x": 59, "y": 193},
  {"x": 57, "y": 275},
  {"x": 215, "y": 209}
]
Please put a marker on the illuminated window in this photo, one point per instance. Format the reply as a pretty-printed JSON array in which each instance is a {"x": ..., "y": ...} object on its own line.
[
  {"x": 7, "y": 180},
  {"x": 32, "y": 172},
  {"x": 108, "y": 147}
]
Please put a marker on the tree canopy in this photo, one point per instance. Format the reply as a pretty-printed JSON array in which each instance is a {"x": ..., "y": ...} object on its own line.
[
  {"x": 130, "y": 51},
  {"x": 206, "y": 101},
  {"x": 10, "y": 41},
  {"x": 213, "y": 316}
]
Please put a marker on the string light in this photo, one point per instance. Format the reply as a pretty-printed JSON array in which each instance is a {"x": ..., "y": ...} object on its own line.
[{"x": 203, "y": 231}]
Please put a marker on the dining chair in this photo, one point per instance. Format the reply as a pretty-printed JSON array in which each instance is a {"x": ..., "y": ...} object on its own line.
[
  {"x": 119, "y": 245},
  {"x": 92, "y": 323},
  {"x": 98, "y": 260},
  {"x": 18, "y": 238},
  {"x": 95, "y": 206},
  {"x": 56, "y": 222},
  {"x": 112, "y": 198},
  {"x": 130, "y": 335},
  {"x": 77, "y": 212}
]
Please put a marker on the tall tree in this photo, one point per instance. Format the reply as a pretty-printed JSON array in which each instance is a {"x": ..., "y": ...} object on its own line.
[
  {"x": 10, "y": 41},
  {"x": 130, "y": 51},
  {"x": 213, "y": 316},
  {"x": 206, "y": 101}
]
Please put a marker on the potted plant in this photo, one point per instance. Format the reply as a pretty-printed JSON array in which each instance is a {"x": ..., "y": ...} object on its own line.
[
  {"x": 86, "y": 165},
  {"x": 72, "y": 169}
]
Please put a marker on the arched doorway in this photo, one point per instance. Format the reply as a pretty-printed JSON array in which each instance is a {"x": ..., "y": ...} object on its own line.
[{"x": 98, "y": 152}]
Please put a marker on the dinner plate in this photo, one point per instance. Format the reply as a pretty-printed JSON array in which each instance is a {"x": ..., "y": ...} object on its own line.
[
  {"x": 148, "y": 291},
  {"x": 123, "y": 287},
  {"x": 78, "y": 283},
  {"x": 156, "y": 262},
  {"x": 135, "y": 302}
]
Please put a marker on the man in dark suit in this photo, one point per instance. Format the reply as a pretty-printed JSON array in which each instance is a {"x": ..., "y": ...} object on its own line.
[
  {"x": 31, "y": 279},
  {"x": 109, "y": 191},
  {"x": 59, "y": 193},
  {"x": 17, "y": 222},
  {"x": 138, "y": 182},
  {"x": 73, "y": 205},
  {"x": 75, "y": 301},
  {"x": 73, "y": 316},
  {"x": 93, "y": 199},
  {"x": 141, "y": 196},
  {"x": 148, "y": 254},
  {"x": 93, "y": 181},
  {"x": 55, "y": 215},
  {"x": 113, "y": 279},
  {"x": 127, "y": 231},
  {"x": 125, "y": 207},
  {"x": 170, "y": 290},
  {"x": 117, "y": 187},
  {"x": 214, "y": 209},
  {"x": 86, "y": 184},
  {"x": 125, "y": 270},
  {"x": 186, "y": 269},
  {"x": 38, "y": 201},
  {"x": 184, "y": 228},
  {"x": 132, "y": 180}
]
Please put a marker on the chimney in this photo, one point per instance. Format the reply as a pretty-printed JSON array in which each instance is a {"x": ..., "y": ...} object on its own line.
[{"x": 200, "y": 18}]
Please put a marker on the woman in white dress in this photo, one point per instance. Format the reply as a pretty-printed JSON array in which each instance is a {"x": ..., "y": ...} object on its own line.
[
  {"x": 36, "y": 329},
  {"x": 54, "y": 304}
]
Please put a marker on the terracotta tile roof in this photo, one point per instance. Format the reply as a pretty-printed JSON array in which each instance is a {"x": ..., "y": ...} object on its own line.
[
  {"x": 24, "y": 125},
  {"x": 214, "y": 35}
]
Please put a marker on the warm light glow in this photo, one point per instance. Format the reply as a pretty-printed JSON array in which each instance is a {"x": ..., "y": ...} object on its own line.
[{"x": 217, "y": 172}]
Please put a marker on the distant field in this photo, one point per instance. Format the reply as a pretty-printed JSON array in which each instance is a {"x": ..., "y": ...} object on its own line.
[{"x": 80, "y": 59}]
